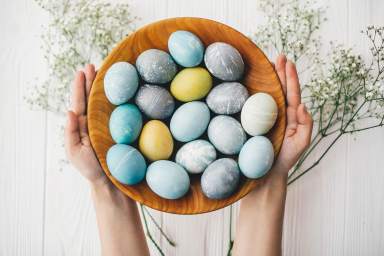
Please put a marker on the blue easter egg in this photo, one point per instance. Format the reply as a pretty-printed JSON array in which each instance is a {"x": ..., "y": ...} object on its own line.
[
  {"x": 190, "y": 121},
  {"x": 125, "y": 123},
  {"x": 167, "y": 179},
  {"x": 256, "y": 157},
  {"x": 186, "y": 48},
  {"x": 156, "y": 66},
  {"x": 226, "y": 134},
  {"x": 126, "y": 164},
  {"x": 120, "y": 82}
]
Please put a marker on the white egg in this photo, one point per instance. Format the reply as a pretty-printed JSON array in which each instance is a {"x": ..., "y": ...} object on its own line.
[{"x": 259, "y": 114}]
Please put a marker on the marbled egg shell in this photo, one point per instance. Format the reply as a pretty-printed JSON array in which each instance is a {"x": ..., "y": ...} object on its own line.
[
  {"x": 156, "y": 141},
  {"x": 186, "y": 48},
  {"x": 221, "y": 179},
  {"x": 196, "y": 155},
  {"x": 155, "y": 101},
  {"x": 226, "y": 134},
  {"x": 156, "y": 66},
  {"x": 167, "y": 179},
  {"x": 256, "y": 157},
  {"x": 126, "y": 164},
  {"x": 224, "y": 61},
  {"x": 190, "y": 121},
  {"x": 227, "y": 98},
  {"x": 191, "y": 84},
  {"x": 120, "y": 82},
  {"x": 259, "y": 114},
  {"x": 125, "y": 123}
]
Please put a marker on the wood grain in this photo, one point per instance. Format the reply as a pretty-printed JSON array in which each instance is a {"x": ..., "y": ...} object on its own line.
[{"x": 259, "y": 76}]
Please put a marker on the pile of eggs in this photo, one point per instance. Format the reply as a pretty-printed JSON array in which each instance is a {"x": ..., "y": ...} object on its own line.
[{"x": 187, "y": 105}]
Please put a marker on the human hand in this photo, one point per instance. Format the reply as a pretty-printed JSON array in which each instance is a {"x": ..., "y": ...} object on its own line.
[
  {"x": 299, "y": 121},
  {"x": 77, "y": 143}
]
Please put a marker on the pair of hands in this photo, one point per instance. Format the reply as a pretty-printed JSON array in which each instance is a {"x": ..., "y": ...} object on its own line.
[{"x": 80, "y": 152}]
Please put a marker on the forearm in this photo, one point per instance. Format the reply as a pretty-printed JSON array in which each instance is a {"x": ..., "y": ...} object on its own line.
[
  {"x": 120, "y": 228},
  {"x": 260, "y": 222}
]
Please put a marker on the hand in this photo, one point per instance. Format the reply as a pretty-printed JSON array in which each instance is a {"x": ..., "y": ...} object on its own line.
[
  {"x": 299, "y": 122},
  {"x": 77, "y": 143}
]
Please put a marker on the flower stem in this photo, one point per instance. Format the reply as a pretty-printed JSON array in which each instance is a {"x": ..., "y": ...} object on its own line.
[
  {"x": 148, "y": 233},
  {"x": 170, "y": 241}
]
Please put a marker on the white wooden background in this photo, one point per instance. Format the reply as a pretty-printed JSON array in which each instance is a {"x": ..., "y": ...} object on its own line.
[{"x": 338, "y": 209}]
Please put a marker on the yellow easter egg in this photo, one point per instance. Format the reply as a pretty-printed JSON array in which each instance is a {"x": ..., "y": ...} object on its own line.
[
  {"x": 191, "y": 84},
  {"x": 156, "y": 141}
]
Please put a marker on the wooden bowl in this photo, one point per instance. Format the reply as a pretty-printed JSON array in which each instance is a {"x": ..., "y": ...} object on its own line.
[{"x": 259, "y": 77}]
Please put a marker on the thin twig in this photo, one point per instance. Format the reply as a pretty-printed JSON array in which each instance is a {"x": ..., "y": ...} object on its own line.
[{"x": 148, "y": 233}]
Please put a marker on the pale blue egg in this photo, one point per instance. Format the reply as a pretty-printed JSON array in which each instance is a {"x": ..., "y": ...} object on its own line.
[
  {"x": 196, "y": 155},
  {"x": 120, "y": 82},
  {"x": 186, "y": 48},
  {"x": 190, "y": 121},
  {"x": 220, "y": 179},
  {"x": 256, "y": 157},
  {"x": 156, "y": 66},
  {"x": 167, "y": 179},
  {"x": 126, "y": 164},
  {"x": 226, "y": 134},
  {"x": 125, "y": 123}
]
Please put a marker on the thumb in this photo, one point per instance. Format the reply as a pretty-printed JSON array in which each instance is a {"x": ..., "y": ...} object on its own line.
[
  {"x": 71, "y": 133},
  {"x": 304, "y": 124}
]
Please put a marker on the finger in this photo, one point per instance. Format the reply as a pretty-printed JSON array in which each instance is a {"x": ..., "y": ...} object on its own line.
[
  {"x": 78, "y": 94},
  {"x": 293, "y": 85},
  {"x": 90, "y": 75},
  {"x": 71, "y": 133},
  {"x": 83, "y": 131},
  {"x": 280, "y": 70},
  {"x": 305, "y": 124}
]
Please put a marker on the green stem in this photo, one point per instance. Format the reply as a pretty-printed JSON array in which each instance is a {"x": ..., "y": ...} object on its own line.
[
  {"x": 148, "y": 233},
  {"x": 230, "y": 244},
  {"x": 170, "y": 241}
]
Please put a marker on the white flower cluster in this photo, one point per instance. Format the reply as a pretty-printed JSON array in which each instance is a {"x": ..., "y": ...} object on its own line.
[{"x": 79, "y": 32}]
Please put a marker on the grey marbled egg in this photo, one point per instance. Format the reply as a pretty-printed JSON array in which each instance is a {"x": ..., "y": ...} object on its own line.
[
  {"x": 155, "y": 101},
  {"x": 224, "y": 61},
  {"x": 221, "y": 179},
  {"x": 156, "y": 66},
  {"x": 196, "y": 155},
  {"x": 227, "y": 98},
  {"x": 226, "y": 134}
]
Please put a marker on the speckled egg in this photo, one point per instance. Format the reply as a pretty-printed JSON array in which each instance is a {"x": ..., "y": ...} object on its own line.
[
  {"x": 156, "y": 141},
  {"x": 224, "y": 61},
  {"x": 259, "y": 114},
  {"x": 196, "y": 155},
  {"x": 120, "y": 82},
  {"x": 256, "y": 157},
  {"x": 226, "y": 134},
  {"x": 227, "y": 98},
  {"x": 125, "y": 123},
  {"x": 190, "y": 121},
  {"x": 186, "y": 48},
  {"x": 191, "y": 84},
  {"x": 221, "y": 179},
  {"x": 167, "y": 179},
  {"x": 156, "y": 66},
  {"x": 154, "y": 101},
  {"x": 126, "y": 164}
]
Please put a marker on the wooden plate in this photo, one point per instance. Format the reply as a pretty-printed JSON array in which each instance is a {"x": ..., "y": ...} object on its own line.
[{"x": 259, "y": 77}]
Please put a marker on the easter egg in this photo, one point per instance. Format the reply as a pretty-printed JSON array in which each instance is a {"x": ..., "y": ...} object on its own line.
[
  {"x": 186, "y": 48},
  {"x": 156, "y": 141},
  {"x": 221, "y": 179},
  {"x": 167, "y": 179},
  {"x": 224, "y": 61},
  {"x": 190, "y": 121},
  {"x": 125, "y": 123},
  {"x": 156, "y": 66},
  {"x": 120, "y": 82},
  {"x": 227, "y": 98},
  {"x": 259, "y": 114},
  {"x": 226, "y": 134},
  {"x": 256, "y": 157},
  {"x": 155, "y": 101},
  {"x": 196, "y": 155},
  {"x": 191, "y": 84},
  {"x": 126, "y": 164}
]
